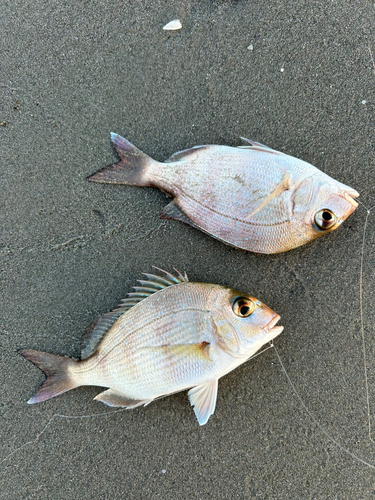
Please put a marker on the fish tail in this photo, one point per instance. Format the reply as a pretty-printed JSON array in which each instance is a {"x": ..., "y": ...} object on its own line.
[
  {"x": 56, "y": 369},
  {"x": 131, "y": 169}
]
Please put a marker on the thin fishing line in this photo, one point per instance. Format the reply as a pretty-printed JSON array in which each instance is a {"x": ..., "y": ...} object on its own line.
[
  {"x": 58, "y": 415},
  {"x": 73, "y": 417},
  {"x": 316, "y": 422},
  {"x": 372, "y": 59},
  {"x": 362, "y": 322},
  {"x": 261, "y": 352}
]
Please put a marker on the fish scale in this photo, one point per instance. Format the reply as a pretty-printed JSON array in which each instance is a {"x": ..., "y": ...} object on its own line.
[
  {"x": 251, "y": 197},
  {"x": 179, "y": 335}
]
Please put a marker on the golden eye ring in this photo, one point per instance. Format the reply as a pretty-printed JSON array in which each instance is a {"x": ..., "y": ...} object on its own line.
[
  {"x": 243, "y": 307},
  {"x": 325, "y": 219}
]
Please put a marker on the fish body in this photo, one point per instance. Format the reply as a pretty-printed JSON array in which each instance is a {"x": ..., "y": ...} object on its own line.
[
  {"x": 251, "y": 197},
  {"x": 168, "y": 336}
]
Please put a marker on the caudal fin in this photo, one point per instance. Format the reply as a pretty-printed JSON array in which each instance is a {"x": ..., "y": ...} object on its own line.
[
  {"x": 130, "y": 170},
  {"x": 56, "y": 369}
]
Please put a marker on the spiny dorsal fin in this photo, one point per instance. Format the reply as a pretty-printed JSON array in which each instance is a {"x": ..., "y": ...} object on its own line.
[
  {"x": 97, "y": 330},
  {"x": 257, "y": 146}
]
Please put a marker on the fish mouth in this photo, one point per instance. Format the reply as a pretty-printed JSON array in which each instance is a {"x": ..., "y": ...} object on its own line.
[{"x": 272, "y": 329}]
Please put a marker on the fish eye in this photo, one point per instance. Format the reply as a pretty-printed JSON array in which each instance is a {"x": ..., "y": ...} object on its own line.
[
  {"x": 325, "y": 219},
  {"x": 243, "y": 307}
]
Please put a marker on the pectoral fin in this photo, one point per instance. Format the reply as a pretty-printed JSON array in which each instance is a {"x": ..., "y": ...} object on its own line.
[
  {"x": 285, "y": 184},
  {"x": 203, "y": 398},
  {"x": 199, "y": 351},
  {"x": 112, "y": 398}
]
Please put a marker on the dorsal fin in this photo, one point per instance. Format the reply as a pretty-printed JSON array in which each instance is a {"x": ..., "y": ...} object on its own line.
[
  {"x": 184, "y": 153},
  {"x": 96, "y": 331}
]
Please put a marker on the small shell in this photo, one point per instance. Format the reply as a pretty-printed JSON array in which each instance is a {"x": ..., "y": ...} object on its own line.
[{"x": 173, "y": 25}]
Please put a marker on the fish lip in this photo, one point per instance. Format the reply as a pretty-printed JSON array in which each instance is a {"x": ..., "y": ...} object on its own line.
[
  {"x": 270, "y": 327},
  {"x": 349, "y": 198},
  {"x": 351, "y": 192},
  {"x": 276, "y": 330}
]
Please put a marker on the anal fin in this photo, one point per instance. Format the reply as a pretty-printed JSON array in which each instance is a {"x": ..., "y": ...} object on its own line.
[
  {"x": 112, "y": 398},
  {"x": 203, "y": 398},
  {"x": 173, "y": 211}
]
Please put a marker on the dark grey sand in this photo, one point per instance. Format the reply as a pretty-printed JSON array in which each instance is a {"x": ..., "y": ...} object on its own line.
[{"x": 72, "y": 72}]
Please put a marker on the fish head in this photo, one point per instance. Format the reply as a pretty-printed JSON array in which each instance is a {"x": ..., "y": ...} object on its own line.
[
  {"x": 321, "y": 205},
  {"x": 243, "y": 323}
]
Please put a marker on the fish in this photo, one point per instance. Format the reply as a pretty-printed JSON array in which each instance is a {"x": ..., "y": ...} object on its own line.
[
  {"x": 167, "y": 336},
  {"x": 251, "y": 197}
]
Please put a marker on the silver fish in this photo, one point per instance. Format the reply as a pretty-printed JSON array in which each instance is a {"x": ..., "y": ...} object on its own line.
[
  {"x": 167, "y": 336},
  {"x": 251, "y": 197}
]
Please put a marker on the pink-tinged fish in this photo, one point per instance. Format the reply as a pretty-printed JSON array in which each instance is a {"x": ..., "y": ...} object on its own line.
[
  {"x": 167, "y": 336},
  {"x": 251, "y": 197}
]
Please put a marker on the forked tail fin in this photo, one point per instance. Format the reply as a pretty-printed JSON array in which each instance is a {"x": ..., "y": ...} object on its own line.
[
  {"x": 56, "y": 369},
  {"x": 130, "y": 170}
]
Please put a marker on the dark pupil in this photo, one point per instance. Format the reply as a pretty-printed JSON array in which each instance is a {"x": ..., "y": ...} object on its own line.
[
  {"x": 244, "y": 310},
  {"x": 326, "y": 216}
]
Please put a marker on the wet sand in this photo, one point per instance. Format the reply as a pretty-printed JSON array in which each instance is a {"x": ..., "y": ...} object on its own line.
[{"x": 70, "y": 250}]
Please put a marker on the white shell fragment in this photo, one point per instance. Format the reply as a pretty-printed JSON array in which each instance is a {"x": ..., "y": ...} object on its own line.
[
  {"x": 250, "y": 47},
  {"x": 173, "y": 25}
]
